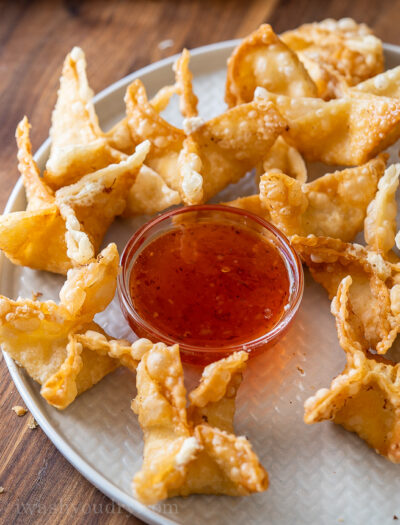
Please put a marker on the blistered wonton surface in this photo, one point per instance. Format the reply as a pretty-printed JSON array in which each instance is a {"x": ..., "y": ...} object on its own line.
[
  {"x": 284, "y": 158},
  {"x": 335, "y": 49},
  {"x": 374, "y": 295},
  {"x": 64, "y": 229},
  {"x": 262, "y": 59},
  {"x": 42, "y": 336},
  {"x": 78, "y": 146},
  {"x": 207, "y": 157},
  {"x": 365, "y": 397},
  {"x": 333, "y": 205},
  {"x": 347, "y": 131},
  {"x": 192, "y": 451}
]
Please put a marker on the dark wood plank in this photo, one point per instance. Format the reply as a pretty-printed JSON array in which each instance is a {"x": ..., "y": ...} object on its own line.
[{"x": 118, "y": 37}]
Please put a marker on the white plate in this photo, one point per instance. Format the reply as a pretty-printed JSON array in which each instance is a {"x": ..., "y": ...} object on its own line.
[{"x": 318, "y": 474}]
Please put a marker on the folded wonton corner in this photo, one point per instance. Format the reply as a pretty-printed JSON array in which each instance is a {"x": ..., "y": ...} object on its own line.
[
  {"x": 59, "y": 345},
  {"x": 192, "y": 450},
  {"x": 374, "y": 295},
  {"x": 65, "y": 229},
  {"x": 365, "y": 397}
]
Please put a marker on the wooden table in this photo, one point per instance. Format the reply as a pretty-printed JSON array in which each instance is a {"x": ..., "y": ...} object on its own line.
[{"x": 118, "y": 37}]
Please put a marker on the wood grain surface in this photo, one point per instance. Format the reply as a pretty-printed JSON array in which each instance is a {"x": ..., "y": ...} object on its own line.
[{"x": 118, "y": 37}]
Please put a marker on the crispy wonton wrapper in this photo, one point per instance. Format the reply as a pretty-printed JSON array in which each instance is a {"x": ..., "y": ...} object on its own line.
[
  {"x": 43, "y": 336},
  {"x": 194, "y": 451},
  {"x": 365, "y": 397},
  {"x": 200, "y": 163},
  {"x": 78, "y": 146},
  {"x": 150, "y": 193},
  {"x": 373, "y": 296},
  {"x": 262, "y": 59},
  {"x": 336, "y": 48},
  {"x": 64, "y": 229},
  {"x": 334, "y": 205},
  {"x": 348, "y": 131}
]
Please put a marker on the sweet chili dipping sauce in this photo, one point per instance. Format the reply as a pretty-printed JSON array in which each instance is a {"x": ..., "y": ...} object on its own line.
[
  {"x": 210, "y": 284},
  {"x": 214, "y": 279}
]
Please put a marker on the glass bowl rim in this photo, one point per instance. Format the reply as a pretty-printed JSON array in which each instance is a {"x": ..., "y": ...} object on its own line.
[{"x": 157, "y": 335}]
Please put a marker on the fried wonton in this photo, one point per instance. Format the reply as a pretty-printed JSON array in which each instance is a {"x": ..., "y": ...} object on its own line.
[
  {"x": 365, "y": 397},
  {"x": 62, "y": 229},
  {"x": 336, "y": 48},
  {"x": 151, "y": 193},
  {"x": 42, "y": 336},
  {"x": 78, "y": 146},
  {"x": 120, "y": 137},
  {"x": 213, "y": 155},
  {"x": 334, "y": 205},
  {"x": 191, "y": 451},
  {"x": 374, "y": 293},
  {"x": 347, "y": 131},
  {"x": 262, "y": 59},
  {"x": 233, "y": 143}
]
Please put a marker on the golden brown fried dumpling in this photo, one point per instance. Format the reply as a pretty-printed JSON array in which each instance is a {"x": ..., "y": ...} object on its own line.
[
  {"x": 42, "y": 336},
  {"x": 63, "y": 229},
  {"x": 373, "y": 297},
  {"x": 348, "y": 131},
  {"x": 150, "y": 193},
  {"x": 334, "y": 205},
  {"x": 166, "y": 140},
  {"x": 209, "y": 156},
  {"x": 186, "y": 454},
  {"x": 78, "y": 146},
  {"x": 262, "y": 59},
  {"x": 96, "y": 199},
  {"x": 365, "y": 397},
  {"x": 331, "y": 49},
  {"x": 233, "y": 143}
]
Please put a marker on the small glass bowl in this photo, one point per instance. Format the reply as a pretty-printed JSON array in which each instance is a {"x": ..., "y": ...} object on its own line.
[{"x": 210, "y": 213}]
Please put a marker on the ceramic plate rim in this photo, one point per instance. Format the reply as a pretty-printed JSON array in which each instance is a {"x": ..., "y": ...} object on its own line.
[{"x": 129, "y": 503}]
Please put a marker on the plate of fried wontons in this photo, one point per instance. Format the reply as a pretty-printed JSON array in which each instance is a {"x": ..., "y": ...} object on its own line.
[{"x": 302, "y": 129}]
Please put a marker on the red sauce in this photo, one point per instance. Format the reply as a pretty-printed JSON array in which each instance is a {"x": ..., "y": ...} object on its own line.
[{"x": 210, "y": 284}]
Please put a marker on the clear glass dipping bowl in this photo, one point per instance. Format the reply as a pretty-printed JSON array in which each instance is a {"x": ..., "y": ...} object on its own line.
[{"x": 210, "y": 213}]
